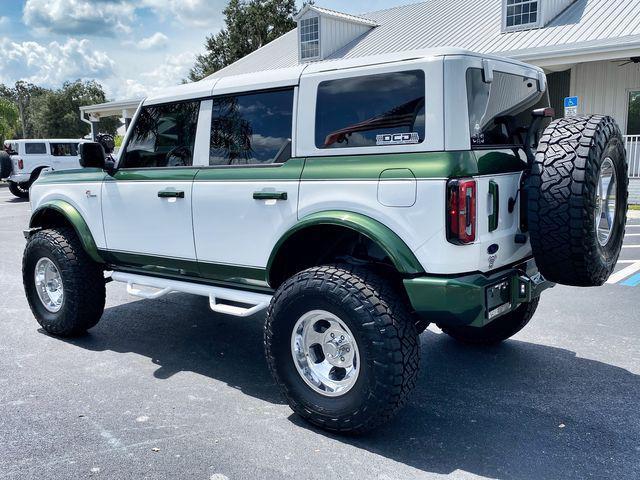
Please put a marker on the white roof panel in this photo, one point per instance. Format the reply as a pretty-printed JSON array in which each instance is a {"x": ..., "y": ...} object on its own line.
[{"x": 470, "y": 24}]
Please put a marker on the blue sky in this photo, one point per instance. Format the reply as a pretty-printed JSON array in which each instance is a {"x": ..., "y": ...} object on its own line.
[{"x": 132, "y": 47}]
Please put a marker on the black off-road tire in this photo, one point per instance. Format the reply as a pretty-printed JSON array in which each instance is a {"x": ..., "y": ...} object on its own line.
[
  {"x": 384, "y": 330},
  {"x": 20, "y": 190},
  {"x": 82, "y": 279},
  {"x": 5, "y": 164},
  {"x": 498, "y": 330},
  {"x": 562, "y": 192}
]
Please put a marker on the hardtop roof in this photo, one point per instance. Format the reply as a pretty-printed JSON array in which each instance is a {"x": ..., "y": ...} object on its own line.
[{"x": 290, "y": 76}]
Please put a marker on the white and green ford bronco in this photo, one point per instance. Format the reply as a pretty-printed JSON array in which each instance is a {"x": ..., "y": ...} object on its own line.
[{"x": 357, "y": 201}]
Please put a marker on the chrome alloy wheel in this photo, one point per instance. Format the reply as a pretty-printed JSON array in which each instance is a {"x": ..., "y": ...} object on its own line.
[
  {"x": 49, "y": 285},
  {"x": 325, "y": 353},
  {"x": 605, "y": 213}
]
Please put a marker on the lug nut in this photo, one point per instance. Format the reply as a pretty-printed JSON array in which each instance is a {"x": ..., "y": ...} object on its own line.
[
  {"x": 342, "y": 359},
  {"x": 333, "y": 335}
]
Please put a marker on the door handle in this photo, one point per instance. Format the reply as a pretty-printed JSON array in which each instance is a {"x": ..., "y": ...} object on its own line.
[
  {"x": 269, "y": 195},
  {"x": 494, "y": 218},
  {"x": 171, "y": 194}
]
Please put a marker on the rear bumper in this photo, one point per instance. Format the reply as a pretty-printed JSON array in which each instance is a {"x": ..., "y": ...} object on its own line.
[
  {"x": 19, "y": 177},
  {"x": 462, "y": 300}
]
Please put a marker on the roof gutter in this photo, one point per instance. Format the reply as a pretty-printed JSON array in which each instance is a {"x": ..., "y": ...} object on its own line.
[{"x": 587, "y": 51}]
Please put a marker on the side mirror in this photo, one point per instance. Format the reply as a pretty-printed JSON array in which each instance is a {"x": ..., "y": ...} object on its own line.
[{"x": 92, "y": 155}]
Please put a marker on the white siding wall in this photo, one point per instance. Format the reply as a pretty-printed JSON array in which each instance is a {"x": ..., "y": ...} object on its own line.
[
  {"x": 603, "y": 87},
  {"x": 335, "y": 34},
  {"x": 553, "y": 8}
]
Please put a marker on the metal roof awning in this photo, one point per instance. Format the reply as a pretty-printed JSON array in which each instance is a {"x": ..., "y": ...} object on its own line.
[{"x": 121, "y": 108}]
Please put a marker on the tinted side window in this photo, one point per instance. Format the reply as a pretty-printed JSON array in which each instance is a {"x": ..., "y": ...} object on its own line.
[
  {"x": 163, "y": 136},
  {"x": 383, "y": 109},
  {"x": 35, "y": 148},
  {"x": 64, "y": 149},
  {"x": 500, "y": 111},
  {"x": 251, "y": 129}
]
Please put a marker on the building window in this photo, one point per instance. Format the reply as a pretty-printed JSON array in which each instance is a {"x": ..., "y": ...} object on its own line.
[
  {"x": 521, "y": 13},
  {"x": 309, "y": 38},
  {"x": 372, "y": 110},
  {"x": 251, "y": 129},
  {"x": 633, "y": 113}
]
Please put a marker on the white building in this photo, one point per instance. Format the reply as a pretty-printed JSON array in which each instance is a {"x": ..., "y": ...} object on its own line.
[{"x": 590, "y": 49}]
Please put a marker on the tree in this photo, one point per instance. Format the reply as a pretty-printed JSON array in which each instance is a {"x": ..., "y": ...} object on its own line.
[
  {"x": 56, "y": 113},
  {"x": 8, "y": 119},
  {"x": 249, "y": 25},
  {"x": 22, "y": 95}
]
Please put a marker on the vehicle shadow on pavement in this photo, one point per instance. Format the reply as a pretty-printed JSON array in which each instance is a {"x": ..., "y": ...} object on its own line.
[
  {"x": 516, "y": 411},
  {"x": 180, "y": 333},
  {"x": 17, "y": 200}
]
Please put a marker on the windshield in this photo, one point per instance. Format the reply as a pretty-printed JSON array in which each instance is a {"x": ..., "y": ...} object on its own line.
[{"x": 500, "y": 111}]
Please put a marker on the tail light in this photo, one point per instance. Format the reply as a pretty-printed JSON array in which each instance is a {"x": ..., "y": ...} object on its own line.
[
  {"x": 461, "y": 211},
  {"x": 20, "y": 164}
]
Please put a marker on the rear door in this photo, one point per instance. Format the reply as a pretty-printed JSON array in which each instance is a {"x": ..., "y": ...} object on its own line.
[
  {"x": 147, "y": 202},
  {"x": 64, "y": 155},
  {"x": 247, "y": 196},
  {"x": 500, "y": 112},
  {"x": 36, "y": 154}
]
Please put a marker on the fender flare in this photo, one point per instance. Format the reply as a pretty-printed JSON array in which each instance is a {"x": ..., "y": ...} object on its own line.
[
  {"x": 396, "y": 249},
  {"x": 71, "y": 214},
  {"x": 35, "y": 173}
]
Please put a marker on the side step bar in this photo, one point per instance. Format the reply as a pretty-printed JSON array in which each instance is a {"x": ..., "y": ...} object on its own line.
[{"x": 254, "y": 301}]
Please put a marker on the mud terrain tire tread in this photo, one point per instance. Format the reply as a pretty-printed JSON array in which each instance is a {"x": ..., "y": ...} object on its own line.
[
  {"x": 385, "y": 324},
  {"x": 561, "y": 192},
  {"x": 82, "y": 278}
]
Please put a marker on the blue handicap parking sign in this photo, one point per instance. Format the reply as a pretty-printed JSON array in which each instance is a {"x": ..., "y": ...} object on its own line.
[{"x": 570, "y": 102}]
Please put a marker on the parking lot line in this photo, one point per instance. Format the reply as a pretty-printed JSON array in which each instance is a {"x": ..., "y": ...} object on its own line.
[
  {"x": 624, "y": 273},
  {"x": 630, "y": 246},
  {"x": 632, "y": 281}
]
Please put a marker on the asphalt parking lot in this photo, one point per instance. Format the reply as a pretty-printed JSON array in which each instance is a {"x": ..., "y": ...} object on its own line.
[{"x": 167, "y": 389}]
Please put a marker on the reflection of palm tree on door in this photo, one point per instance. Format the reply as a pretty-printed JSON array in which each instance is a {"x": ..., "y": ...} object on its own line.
[{"x": 230, "y": 132}]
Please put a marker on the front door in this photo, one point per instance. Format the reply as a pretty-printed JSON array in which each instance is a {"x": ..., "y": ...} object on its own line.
[
  {"x": 247, "y": 197},
  {"x": 147, "y": 202}
]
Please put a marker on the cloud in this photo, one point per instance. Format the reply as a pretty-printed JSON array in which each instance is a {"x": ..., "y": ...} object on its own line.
[
  {"x": 52, "y": 64},
  {"x": 195, "y": 13},
  {"x": 154, "y": 41},
  {"x": 168, "y": 73},
  {"x": 84, "y": 17}
]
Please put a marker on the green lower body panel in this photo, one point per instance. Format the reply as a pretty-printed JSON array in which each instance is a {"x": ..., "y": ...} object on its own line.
[
  {"x": 470, "y": 299},
  {"x": 237, "y": 276}
]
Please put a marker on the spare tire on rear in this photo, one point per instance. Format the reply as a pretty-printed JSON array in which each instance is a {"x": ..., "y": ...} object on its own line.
[
  {"x": 5, "y": 164},
  {"x": 577, "y": 200}
]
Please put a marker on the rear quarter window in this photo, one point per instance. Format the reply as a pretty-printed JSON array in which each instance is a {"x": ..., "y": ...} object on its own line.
[
  {"x": 371, "y": 110},
  {"x": 35, "y": 148},
  {"x": 500, "y": 111}
]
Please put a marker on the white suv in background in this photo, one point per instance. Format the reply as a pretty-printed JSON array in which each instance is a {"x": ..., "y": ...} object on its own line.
[{"x": 23, "y": 160}]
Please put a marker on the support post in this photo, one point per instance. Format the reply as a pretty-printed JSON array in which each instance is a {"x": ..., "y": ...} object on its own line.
[{"x": 94, "y": 130}]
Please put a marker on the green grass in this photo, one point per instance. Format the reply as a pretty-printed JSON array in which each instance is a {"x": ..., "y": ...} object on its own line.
[{"x": 634, "y": 207}]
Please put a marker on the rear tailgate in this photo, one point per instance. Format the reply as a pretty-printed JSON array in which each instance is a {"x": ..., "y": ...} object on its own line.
[{"x": 497, "y": 224}]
